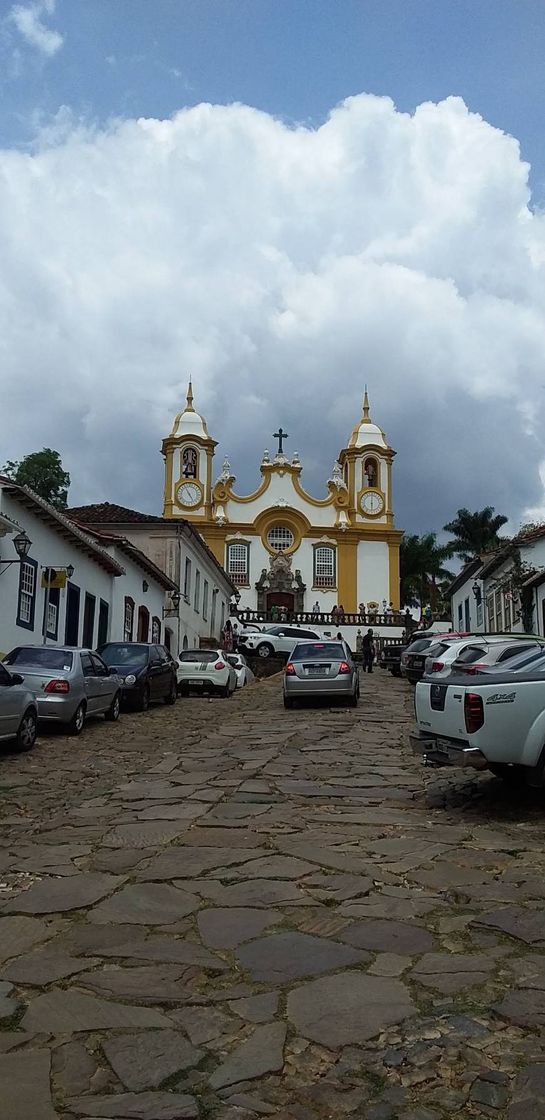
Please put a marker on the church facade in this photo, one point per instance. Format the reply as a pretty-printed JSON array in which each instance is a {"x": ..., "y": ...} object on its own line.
[{"x": 280, "y": 545}]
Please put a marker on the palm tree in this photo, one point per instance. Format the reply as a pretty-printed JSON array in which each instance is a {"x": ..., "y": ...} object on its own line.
[
  {"x": 421, "y": 567},
  {"x": 474, "y": 533}
]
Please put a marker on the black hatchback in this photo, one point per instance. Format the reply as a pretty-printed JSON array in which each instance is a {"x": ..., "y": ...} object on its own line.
[{"x": 147, "y": 670}]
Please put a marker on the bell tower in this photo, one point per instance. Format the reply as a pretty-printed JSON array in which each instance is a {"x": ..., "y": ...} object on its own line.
[
  {"x": 188, "y": 452},
  {"x": 367, "y": 468}
]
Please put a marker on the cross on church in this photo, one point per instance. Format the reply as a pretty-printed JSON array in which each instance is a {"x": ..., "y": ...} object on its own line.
[{"x": 280, "y": 436}]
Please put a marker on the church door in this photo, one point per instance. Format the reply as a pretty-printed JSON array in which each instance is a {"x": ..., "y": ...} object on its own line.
[{"x": 280, "y": 599}]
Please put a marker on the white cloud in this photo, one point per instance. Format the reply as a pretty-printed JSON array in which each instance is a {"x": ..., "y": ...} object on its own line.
[
  {"x": 283, "y": 267},
  {"x": 28, "y": 19}
]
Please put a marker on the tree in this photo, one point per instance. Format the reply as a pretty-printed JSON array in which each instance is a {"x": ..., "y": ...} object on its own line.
[
  {"x": 474, "y": 533},
  {"x": 421, "y": 569},
  {"x": 42, "y": 471}
]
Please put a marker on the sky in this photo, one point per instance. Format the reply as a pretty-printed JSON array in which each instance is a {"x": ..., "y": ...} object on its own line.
[{"x": 286, "y": 200}]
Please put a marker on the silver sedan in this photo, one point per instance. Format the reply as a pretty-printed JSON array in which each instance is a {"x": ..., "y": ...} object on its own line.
[
  {"x": 317, "y": 669},
  {"x": 68, "y": 684}
]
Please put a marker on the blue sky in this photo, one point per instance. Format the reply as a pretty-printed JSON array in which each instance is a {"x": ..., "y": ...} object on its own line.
[
  {"x": 294, "y": 58},
  {"x": 299, "y": 238}
]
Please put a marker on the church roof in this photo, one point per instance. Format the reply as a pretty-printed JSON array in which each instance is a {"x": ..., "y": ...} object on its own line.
[{"x": 365, "y": 432}]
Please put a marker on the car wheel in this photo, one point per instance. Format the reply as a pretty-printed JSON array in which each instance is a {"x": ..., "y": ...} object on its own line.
[
  {"x": 75, "y": 727},
  {"x": 27, "y": 731},
  {"x": 170, "y": 698},
  {"x": 113, "y": 711},
  {"x": 183, "y": 690},
  {"x": 353, "y": 700},
  {"x": 144, "y": 699},
  {"x": 288, "y": 702},
  {"x": 265, "y": 649},
  {"x": 225, "y": 692},
  {"x": 515, "y": 775}
]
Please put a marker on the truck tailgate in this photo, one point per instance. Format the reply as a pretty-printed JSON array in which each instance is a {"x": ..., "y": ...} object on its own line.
[{"x": 440, "y": 710}]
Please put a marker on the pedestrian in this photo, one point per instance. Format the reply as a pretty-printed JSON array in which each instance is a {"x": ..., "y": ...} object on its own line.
[
  {"x": 228, "y": 635},
  {"x": 340, "y": 614},
  {"x": 335, "y": 614},
  {"x": 368, "y": 650},
  {"x": 339, "y": 637},
  {"x": 274, "y": 613},
  {"x": 384, "y": 606},
  {"x": 316, "y": 609},
  {"x": 236, "y": 637},
  {"x": 359, "y": 645}
]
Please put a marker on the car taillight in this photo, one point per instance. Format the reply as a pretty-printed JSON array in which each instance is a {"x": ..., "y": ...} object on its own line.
[
  {"x": 473, "y": 712},
  {"x": 219, "y": 665},
  {"x": 344, "y": 667},
  {"x": 436, "y": 666},
  {"x": 57, "y": 686},
  {"x": 290, "y": 669}
]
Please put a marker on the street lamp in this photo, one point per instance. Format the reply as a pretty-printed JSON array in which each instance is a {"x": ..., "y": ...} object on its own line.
[
  {"x": 175, "y": 599},
  {"x": 70, "y": 570},
  {"x": 477, "y": 591},
  {"x": 22, "y": 545}
]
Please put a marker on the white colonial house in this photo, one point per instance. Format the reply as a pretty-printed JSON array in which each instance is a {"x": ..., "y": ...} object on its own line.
[
  {"x": 281, "y": 546},
  {"x": 201, "y": 606},
  {"x": 504, "y": 590},
  {"x": 112, "y": 591}
]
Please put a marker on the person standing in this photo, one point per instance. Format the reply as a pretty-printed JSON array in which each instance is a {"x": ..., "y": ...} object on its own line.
[
  {"x": 316, "y": 609},
  {"x": 359, "y": 646},
  {"x": 368, "y": 651}
]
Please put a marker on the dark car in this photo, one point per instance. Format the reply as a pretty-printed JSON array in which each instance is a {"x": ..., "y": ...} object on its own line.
[
  {"x": 390, "y": 658},
  {"x": 148, "y": 672},
  {"x": 413, "y": 658}
]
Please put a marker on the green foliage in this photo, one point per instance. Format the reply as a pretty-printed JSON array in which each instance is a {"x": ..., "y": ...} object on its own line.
[
  {"x": 422, "y": 569},
  {"x": 474, "y": 533},
  {"x": 42, "y": 471}
]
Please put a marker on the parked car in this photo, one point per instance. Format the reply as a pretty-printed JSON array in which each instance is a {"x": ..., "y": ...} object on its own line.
[
  {"x": 413, "y": 659},
  {"x": 205, "y": 670},
  {"x": 147, "y": 670},
  {"x": 279, "y": 639},
  {"x": 494, "y": 721},
  {"x": 321, "y": 669},
  {"x": 18, "y": 711},
  {"x": 390, "y": 658},
  {"x": 441, "y": 656},
  {"x": 243, "y": 672},
  {"x": 68, "y": 684},
  {"x": 475, "y": 657}
]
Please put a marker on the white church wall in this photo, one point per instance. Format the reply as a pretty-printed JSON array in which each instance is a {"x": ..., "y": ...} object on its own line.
[{"x": 373, "y": 572}]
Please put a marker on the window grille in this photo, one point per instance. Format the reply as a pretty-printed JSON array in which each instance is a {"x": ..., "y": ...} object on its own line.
[{"x": 280, "y": 538}]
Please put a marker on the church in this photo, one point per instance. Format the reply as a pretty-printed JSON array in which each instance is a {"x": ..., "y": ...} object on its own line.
[{"x": 280, "y": 545}]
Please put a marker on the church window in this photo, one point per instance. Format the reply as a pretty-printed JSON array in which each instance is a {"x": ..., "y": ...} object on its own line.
[
  {"x": 279, "y": 538},
  {"x": 190, "y": 460},
  {"x": 128, "y": 619},
  {"x": 325, "y": 566},
  {"x": 370, "y": 472},
  {"x": 238, "y": 556}
]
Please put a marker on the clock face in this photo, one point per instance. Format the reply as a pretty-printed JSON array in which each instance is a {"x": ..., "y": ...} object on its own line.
[
  {"x": 189, "y": 494},
  {"x": 372, "y": 503}
]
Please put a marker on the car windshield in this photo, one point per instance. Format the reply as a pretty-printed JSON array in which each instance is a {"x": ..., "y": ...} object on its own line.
[
  {"x": 43, "y": 657},
  {"x": 437, "y": 649},
  {"x": 199, "y": 655},
  {"x": 125, "y": 654},
  {"x": 318, "y": 649}
]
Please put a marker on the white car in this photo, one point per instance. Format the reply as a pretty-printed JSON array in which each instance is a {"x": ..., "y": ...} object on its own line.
[
  {"x": 205, "y": 670},
  {"x": 439, "y": 658},
  {"x": 279, "y": 639},
  {"x": 494, "y": 721},
  {"x": 18, "y": 711},
  {"x": 242, "y": 669}
]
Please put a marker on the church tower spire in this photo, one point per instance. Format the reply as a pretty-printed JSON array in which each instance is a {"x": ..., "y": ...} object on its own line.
[
  {"x": 188, "y": 452},
  {"x": 365, "y": 417},
  {"x": 189, "y": 397}
]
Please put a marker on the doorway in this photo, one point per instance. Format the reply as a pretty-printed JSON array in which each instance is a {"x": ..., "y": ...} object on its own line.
[
  {"x": 88, "y": 621},
  {"x": 71, "y": 629},
  {"x": 103, "y": 615},
  {"x": 281, "y": 599},
  {"x": 143, "y": 624}
]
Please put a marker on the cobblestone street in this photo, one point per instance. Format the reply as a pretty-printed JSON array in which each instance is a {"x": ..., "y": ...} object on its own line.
[{"x": 225, "y": 910}]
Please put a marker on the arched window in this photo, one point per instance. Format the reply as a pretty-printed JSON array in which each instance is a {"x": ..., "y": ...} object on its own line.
[
  {"x": 325, "y": 566},
  {"x": 370, "y": 472},
  {"x": 279, "y": 538},
  {"x": 190, "y": 462}
]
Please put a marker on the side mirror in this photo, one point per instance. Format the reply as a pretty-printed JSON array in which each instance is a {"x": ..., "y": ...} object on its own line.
[{"x": 16, "y": 678}]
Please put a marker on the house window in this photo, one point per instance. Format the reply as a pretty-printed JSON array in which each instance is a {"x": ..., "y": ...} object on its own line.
[
  {"x": 507, "y": 598},
  {"x": 155, "y": 629},
  {"x": 205, "y": 600},
  {"x": 467, "y": 613},
  {"x": 196, "y": 601},
  {"x": 460, "y": 617},
  {"x": 187, "y": 580},
  {"x": 26, "y": 602},
  {"x": 325, "y": 566},
  {"x": 279, "y": 538},
  {"x": 498, "y": 611},
  {"x": 52, "y": 621},
  {"x": 128, "y": 619},
  {"x": 89, "y": 620},
  {"x": 490, "y": 613},
  {"x": 238, "y": 566}
]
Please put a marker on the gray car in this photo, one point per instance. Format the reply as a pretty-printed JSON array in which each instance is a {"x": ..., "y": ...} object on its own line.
[
  {"x": 69, "y": 684},
  {"x": 321, "y": 669},
  {"x": 18, "y": 711}
]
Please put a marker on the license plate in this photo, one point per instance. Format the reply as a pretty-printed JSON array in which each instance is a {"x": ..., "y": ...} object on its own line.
[
  {"x": 195, "y": 684},
  {"x": 442, "y": 746}
]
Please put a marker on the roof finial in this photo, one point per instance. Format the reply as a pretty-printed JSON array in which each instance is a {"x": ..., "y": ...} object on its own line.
[
  {"x": 366, "y": 406},
  {"x": 189, "y": 398}
]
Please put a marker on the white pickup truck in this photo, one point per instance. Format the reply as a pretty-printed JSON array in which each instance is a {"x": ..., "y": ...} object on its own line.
[{"x": 494, "y": 721}]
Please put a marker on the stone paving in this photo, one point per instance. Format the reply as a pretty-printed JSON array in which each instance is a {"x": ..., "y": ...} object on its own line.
[{"x": 228, "y": 911}]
